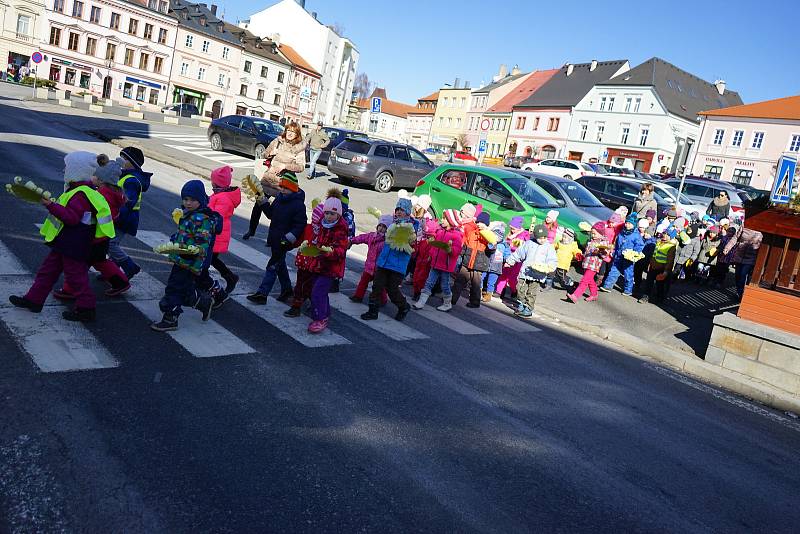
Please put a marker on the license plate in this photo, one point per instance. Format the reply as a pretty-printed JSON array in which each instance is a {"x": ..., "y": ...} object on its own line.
[{"x": 343, "y": 161}]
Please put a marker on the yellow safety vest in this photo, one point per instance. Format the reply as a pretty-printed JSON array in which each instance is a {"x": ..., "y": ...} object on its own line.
[
  {"x": 104, "y": 222},
  {"x": 121, "y": 185},
  {"x": 662, "y": 251}
]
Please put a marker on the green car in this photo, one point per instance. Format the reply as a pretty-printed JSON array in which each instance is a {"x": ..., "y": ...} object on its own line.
[{"x": 502, "y": 193}]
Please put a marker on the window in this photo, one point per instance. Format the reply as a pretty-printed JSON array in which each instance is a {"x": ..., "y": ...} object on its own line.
[
  {"x": 248, "y": 66},
  {"x": 189, "y": 41},
  {"x": 77, "y": 9},
  {"x": 58, "y": 6},
  {"x": 738, "y": 135},
  {"x": 401, "y": 153},
  {"x": 72, "y": 43},
  {"x": 643, "y": 136},
  {"x": 550, "y": 123},
  {"x": 383, "y": 151},
  {"x": 55, "y": 36},
  {"x": 603, "y": 104},
  {"x": 488, "y": 188},
  {"x": 151, "y": 4},
  {"x": 611, "y": 103},
  {"x": 742, "y": 176},
  {"x": 85, "y": 77},
  {"x": 163, "y": 6},
  {"x": 205, "y": 46},
  {"x": 129, "y": 57},
  {"x": 23, "y": 24},
  {"x": 584, "y": 130},
  {"x": 140, "y": 90},
  {"x": 144, "y": 59},
  {"x": 628, "y": 101},
  {"x": 636, "y": 104},
  {"x": 127, "y": 91},
  {"x": 158, "y": 64},
  {"x": 91, "y": 46},
  {"x": 162, "y": 36},
  {"x": 601, "y": 128},
  {"x": 536, "y": 123},
  {"x": 260, "y": 95},
  {"x": 184, "y": 69},
  {"x": 277, "y": 100},
  {"x": 69, "y": 76},
  {"x": 458, "y": 122},
  {"x": 148, "y": 32},
  {"x": 794, "y": 145},
  {"x": 718, "y": 135},
  {"x": 462, "y": 102},
  {"x": 441, "y": 121},
  {"x": 455, "y": 179},
  {"x": 520, "y": 123},
  {"x": 133, "y": 26},
  {"x": 115, "y": 19},
  {"x": 55, "y": 73},
  {"x": 243, "y": 90},
  {"x": 758, "y": 140},
  {"x": 264, "y": 71},
  {"x": 111, "y": 51},
  {"x": 94, "y": 15},
  {"x": 221, "y": 80},
  {"x": 623, "y": 139},
  {"x": 373, "y": 125},
  {"x": 444, "y": 101},
  {"x": 712, "y": 171},
  {"x": 226, "y": 52},
  {"x": 201, "y": 73},
  {"x": 280, "y": 77}
]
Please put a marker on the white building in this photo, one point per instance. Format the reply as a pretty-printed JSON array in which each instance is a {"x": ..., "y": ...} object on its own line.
[
  {"x": 645, "y": 119},
  {"x": 118, "y": 49},
  {"x": 332, "y": 55},
  {"x": 263, "y": 77},
  {"x": 19, "y": 34},
  {"x": 392, "y": 121},
  {"x": 420, "y": 121}
]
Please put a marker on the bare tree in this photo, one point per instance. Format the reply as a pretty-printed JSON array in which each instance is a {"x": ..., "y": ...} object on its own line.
[
  {"x": 462, "y": 140},
  {"x": 362, "y": 85}
]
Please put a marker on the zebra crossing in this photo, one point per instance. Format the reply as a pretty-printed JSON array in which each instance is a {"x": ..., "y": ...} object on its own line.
[
  {"x": 55, "y": 345},
  {"x": 196, "y": 145}
]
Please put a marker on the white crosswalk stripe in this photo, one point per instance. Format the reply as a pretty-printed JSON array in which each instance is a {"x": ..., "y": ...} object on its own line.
[
  {"x": 495, "y": 313},
  {"x": 384, "y": 324},
  {"x": 448, "y": 320},
  {"x": 233, "y": 160},
  {"x": 196, "y": 145}
]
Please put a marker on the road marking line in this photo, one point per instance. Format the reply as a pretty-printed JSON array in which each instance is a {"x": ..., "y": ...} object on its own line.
[
  {"x": 296, "y": 328},
  {"x": 450, "y": 321},
  {"x": 386, "y": 325},
  {"x": 9, "y": 263}
]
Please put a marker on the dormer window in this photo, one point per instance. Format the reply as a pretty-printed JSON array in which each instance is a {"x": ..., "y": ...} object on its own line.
[{"x": 202, "y": 21}]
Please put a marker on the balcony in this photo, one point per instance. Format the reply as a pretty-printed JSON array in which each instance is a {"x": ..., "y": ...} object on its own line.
[{"x": 24, "y": 37}]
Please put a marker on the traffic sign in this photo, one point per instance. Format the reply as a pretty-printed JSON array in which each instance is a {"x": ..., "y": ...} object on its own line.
[
  {"x": 36, "y": 57},
  {"x": 376, "y": 104},
  {"x": 784, "y": 178},
  {"x": 482, "y": 145},
  {"x": 486, "y": 124}
]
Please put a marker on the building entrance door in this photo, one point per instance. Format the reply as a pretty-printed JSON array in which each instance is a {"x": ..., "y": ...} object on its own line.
[{"x": 216, "y": 109}]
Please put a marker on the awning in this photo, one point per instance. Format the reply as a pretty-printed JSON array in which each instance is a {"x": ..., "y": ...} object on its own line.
[{"x": 143, "y": 82}]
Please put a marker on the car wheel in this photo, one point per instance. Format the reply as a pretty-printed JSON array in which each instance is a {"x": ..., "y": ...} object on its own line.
[
  {"x": 384, "y": 182},
  {"x": 568, "y": 177},
  {"x": 216, "y": 142},
  {"x": 258, "y": 151}
]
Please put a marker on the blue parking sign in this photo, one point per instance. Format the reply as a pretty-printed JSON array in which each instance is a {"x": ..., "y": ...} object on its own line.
[
  {"x": 482, "y": 145},
  {"x": 376, "y": 104},
  {"x": 784, "y": 178}
]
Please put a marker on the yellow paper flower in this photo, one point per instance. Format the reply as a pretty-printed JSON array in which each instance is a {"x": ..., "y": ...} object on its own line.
[
  {"x": 252, "y": 188},
  {"x": 375, "y": 212},
  {"x": 29, "y": 191},
  {"x": 447, "y": 246},
  {"x": 585, "y": 226},
  {"x": 399, "y": 236},
  {"x": 489, "y": 236},
  {"x": 632, "y": 255},
  {"x": 177, "y": 213}
]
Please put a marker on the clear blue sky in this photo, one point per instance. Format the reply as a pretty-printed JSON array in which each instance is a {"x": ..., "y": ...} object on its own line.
[{"x": 412, "y": 47}]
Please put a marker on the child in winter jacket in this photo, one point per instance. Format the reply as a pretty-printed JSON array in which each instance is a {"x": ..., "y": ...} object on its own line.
[
  {"x": 658, "y": 273},
  {"x": 499, "y": 252},
  {"x": 567, "y": 249},
  {"x": 706, "y": 258},
  {"x": 374, "y": 241},
  {"x": 687, "y": 252},
  {"x": 538, "y": 258},
  {"x": 196, "y": 227},
  {"x": 134, "y": 183},
  {"x": 445, "y": 248},
  {"x": 224, "y": 201},
  {"x": 727, "y": 248},
  {"x": 516, "y": 236},
  {"x": 350, "y": 218},
  {"x": 646, "y": 229},
  {"x": 75, "y": 220},
  {"x": 474, "y": 255},
  {"x": 422, "y": 254},
  {"x": 628, "y": 240},
  {"x": 598, "y": 251}
]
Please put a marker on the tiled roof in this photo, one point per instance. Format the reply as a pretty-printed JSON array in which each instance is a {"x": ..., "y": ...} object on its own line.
[
  {"x": 780, "y": 108},
  {"x": 499, "y": 83},
  {"x": 562, "y": 91},
  {"x": 297, "y": 60},
  {"x": 198, "y": 18},
  {"x": 256, "y": 45},
  {"x": 390, "y": 107},
  {"x": 432, "y": 96},
  {"x": 525, "y": 89}
]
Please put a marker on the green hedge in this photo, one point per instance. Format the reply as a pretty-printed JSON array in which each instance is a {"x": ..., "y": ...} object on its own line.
[{"x": 28, "y": 80}]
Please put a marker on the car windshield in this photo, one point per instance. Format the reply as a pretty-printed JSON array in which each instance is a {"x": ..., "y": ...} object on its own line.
[
  {"x": 531, "y": 193},
  {"x": 267, "y": 127},
  {"x": 579, "y": 195}
]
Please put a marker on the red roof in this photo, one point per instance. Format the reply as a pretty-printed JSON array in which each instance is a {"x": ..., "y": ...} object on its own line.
[
  {"x": 432, "y": 96},
  {"x": 390, "y": 107},
  {"x": 297, "y": 60},
  {"x": 780, "y": 108},
  {"x": 529, "y": 85}
]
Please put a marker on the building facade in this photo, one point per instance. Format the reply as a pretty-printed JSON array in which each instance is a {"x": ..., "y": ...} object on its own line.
[
  {"x": 302, "y": 93},
  {"x": 392, "y": 121},
  {"x": 21, "y": 26},
  {"x": 644, "y": 119},
  {"x": 484, "y": 98},
  {"x": 111, "y": 49},
  {"x": 206, "y": 60},
  {"x": 449, "y": 121},
  {"x": 742, "y": 144},
  {"x": 420, "y": 121},
  {"x": 333, "y": 56},
  {"x": 540, "y": 124}
]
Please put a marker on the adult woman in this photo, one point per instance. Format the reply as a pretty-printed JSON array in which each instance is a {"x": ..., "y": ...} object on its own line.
[
  {"x": 720, "y": 207},
  {"x": 645, "y": 200},
  {"x": 287, "y": 152}
]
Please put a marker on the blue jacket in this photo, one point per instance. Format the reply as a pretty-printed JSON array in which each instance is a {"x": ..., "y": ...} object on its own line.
[
  {"x": 287, "y": 215},
  {"x": 395, "y": 260},
  {"x": 501, "y": 251},
  {"x": 138, "y": 183},
  {"x": 632, "y": 240}
]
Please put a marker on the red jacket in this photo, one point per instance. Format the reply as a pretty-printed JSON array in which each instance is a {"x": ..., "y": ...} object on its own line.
[
  {"x": 75, "y": 239},
  {"x": 475, "y": 245},
  {"x": 440, "y": 259},
  {"x": 337, "y": 238},
  {"x": 115, "y": 198},
  {"x": 224, "y": 203}
]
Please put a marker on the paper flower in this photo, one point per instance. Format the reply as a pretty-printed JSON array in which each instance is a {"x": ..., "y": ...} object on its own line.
[
  {"x": 252, "y": 188},
  {"x": 399, "y": 236},
  {"x": 375, "y": 212},
  {"x": 489, "y": 236},
  {"x": 631, "y": 255},
  {"x": 447, "y": 246},
  {"x": 176, "y": 248},
  {"x": 29, "y": 191},
  {"x": 584, "y": 226},
  {"x": 712, "y": 251},
  {"x": 311, "y": 250},
  {"x": 177, "y": 213},
  {"x": 315, "y": 202},
  {"x": 542, "y": 267}
]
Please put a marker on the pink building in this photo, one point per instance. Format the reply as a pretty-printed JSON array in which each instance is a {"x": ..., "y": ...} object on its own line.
[{"x": 742, "y": 144}]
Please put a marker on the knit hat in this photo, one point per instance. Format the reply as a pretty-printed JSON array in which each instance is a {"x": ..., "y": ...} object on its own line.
[
  {"x": 672, "y": 212},
  {"x": 221, "y": 176},
  {"x": 552, "y": 214},
  {"x": 568, "y": 236},
  {"x": 385, "y": 220},
  {"x": 424, "y": 201},
  {"x": 497, "y": 225},
  {"x": 724, "y": 221},
  {"x": 651, "y": 214},
  {"x": 516, "y": 221},
  {"x": 468, "y": 211},
  {"x": 600, "y": 227},
  {"x": 345, "y": 195},
  {"x": 79, "y": 166},
  {"x": 289, "y": 181},
  {"x": 632, "y": 219},
  {"x": 622, "y": 210},
  {"x": 452, "y": 217},
  {"x": 109, "y": 173},
  {"x": 483, "y": 217},
  {"x": 644, "y": 224},
  {"x": 332, "y": 204},
  {"x": 133, "y": 155},
  {"x": 196, "y": 190},
  {"x": 714, "y": 229},
  {"x": 539, "y": 231},
  {"x": 615, "y": 218}
]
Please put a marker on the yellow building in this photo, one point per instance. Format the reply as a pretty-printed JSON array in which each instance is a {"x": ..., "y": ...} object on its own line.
[{"x": 450, "y": 119}]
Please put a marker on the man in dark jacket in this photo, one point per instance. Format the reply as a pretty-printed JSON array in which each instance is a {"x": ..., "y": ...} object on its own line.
[
  {"x": 287, "y": 214},
  {"x": 134, "y": 183}
]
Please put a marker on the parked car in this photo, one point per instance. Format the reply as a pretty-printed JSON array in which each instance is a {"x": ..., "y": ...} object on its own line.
[
  {"x": 750, "y": 193},
  {"x": 463, "y": 157},
  {"x": 433, "y": 151},
  {"x": 571, "y": 194},
  {"x": 337, "y": 135},
  {"x": 616, "y": 191},
  {"x": 671, "y": 196},
  {"x": 249, "y": 135},
  {"x": 502, "y": 193},
  {"x": 560, "y": 167},
  {"x": 183, "y": 110},
  {"x": 518, "y": 161},
  {"x": 381, "y": 164},
  {"x": 703, "y": 190}
]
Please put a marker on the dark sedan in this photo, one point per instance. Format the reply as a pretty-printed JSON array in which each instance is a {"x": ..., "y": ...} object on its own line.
[
  {"x": 248, "y": 135},
  {"x": 336, "y": 135},
  {"x": 570, "y": 194}
]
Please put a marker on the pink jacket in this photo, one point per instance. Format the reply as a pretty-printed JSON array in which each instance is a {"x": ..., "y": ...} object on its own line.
[
  {"x": 224, "y": 203},
  {"x": 552, "y": 232},
  {"x": 374, "y": 242},
  {"x": 440, "y": 259}
]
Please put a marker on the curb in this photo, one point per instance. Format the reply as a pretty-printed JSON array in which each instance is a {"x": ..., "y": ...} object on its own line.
[{"x": 687, "y": 364}]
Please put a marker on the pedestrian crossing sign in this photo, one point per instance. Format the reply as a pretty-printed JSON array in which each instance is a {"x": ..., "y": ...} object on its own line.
[{"x": 784, "y": 178}]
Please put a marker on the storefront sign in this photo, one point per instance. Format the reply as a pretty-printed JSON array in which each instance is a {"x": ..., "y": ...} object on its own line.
[
  {"x": 143, "y": 82},
  {"x": 715, "y": 160},
  {"x": 71, "y": 64},
  {"x": 745, "y": 164}
]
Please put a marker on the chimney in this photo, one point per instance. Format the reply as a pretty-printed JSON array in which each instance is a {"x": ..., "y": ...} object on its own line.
[
  {"x": 570, "y": 68},
  {"x": 466, "y": 84},
  {"x": 593, "y": 66},
  {"x": 515, "y": 70},
  {"x": 214, "y": 9},
  {"x": 276, "y": 38},
  {"x": 720, "y": 84},
  {"x": 456, "y": 83},
  {"x": 503, "y": 72},
  {"x": 301, "y": 3}
]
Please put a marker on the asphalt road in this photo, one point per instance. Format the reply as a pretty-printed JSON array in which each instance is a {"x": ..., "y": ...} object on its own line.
[{"x": 475, "y": 423}]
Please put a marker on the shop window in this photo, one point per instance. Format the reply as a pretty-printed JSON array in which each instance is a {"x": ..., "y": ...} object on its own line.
[
  {"x": 127, "y": 90},
  {"x": 712, "y": 171},
  {"x": 140, "y": 92},
  {"x": 55, "y": 73},
  {"x": 742, "y": 176},
  {"x": 85, "y": 78},
  {"x": 69, "y": 77},
  {"x": 153, "y": 97}
]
